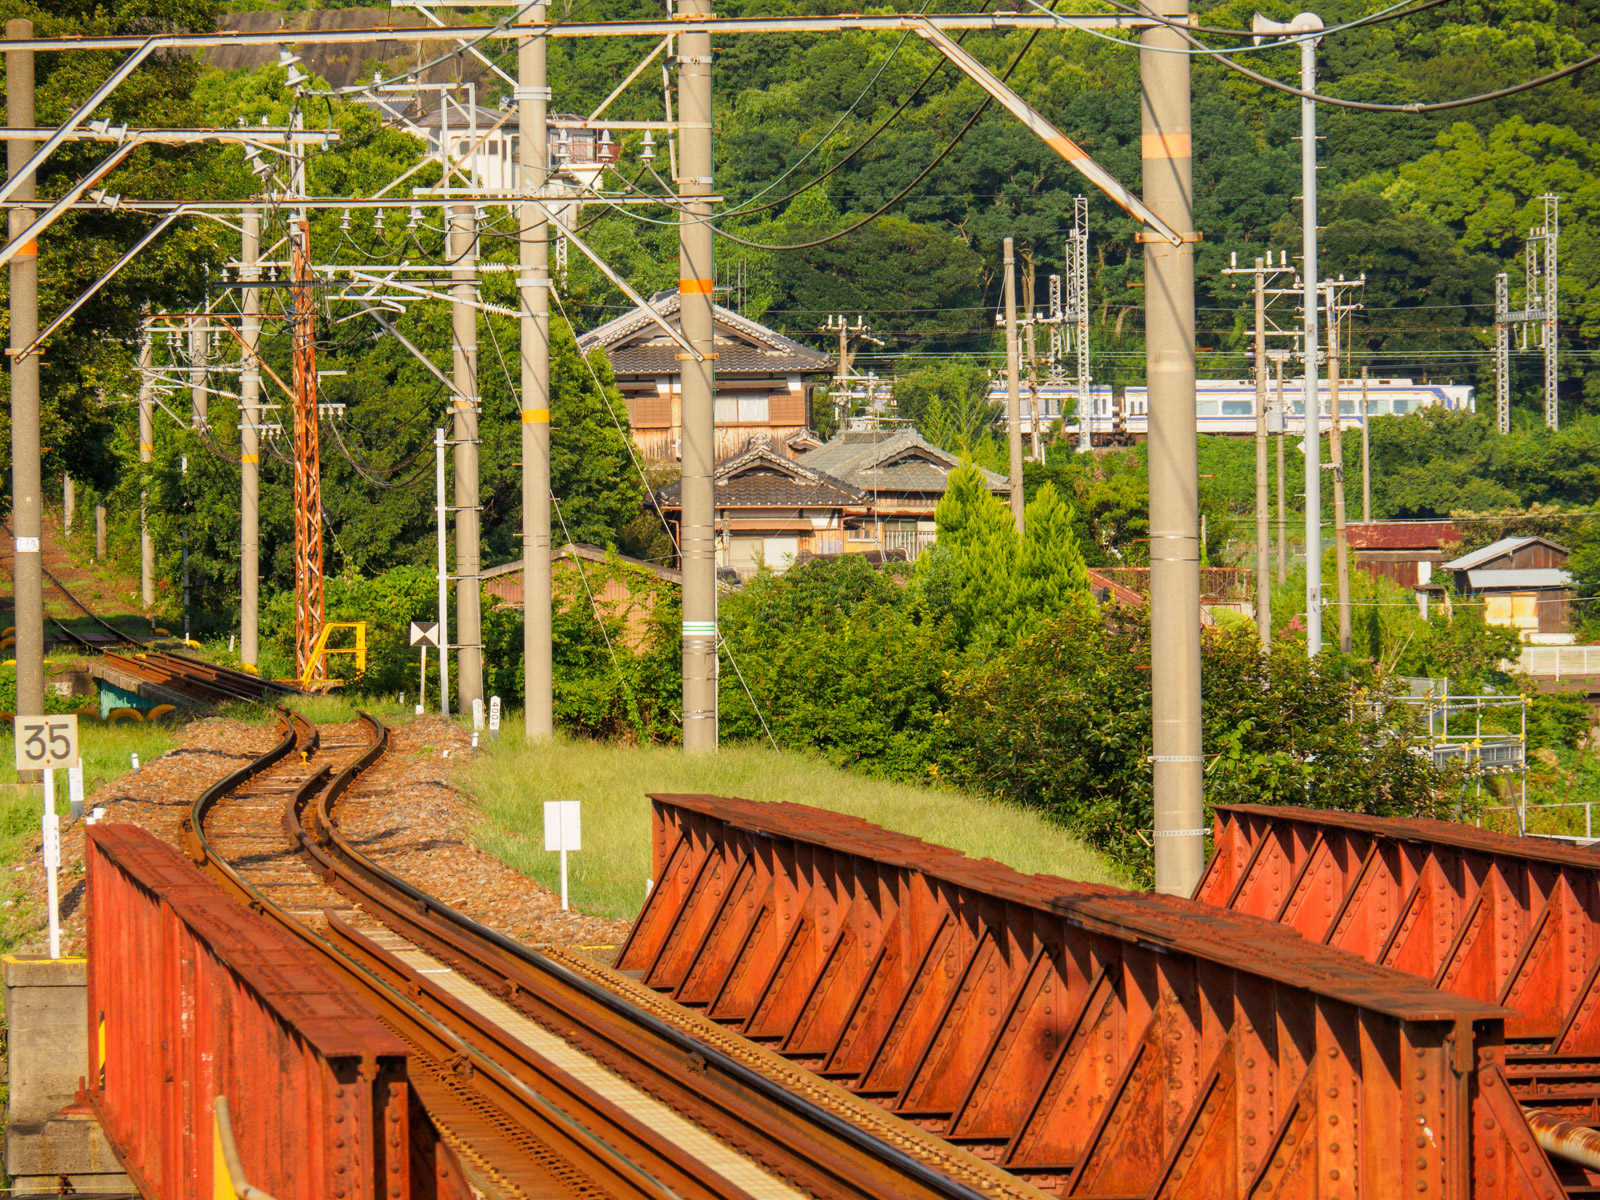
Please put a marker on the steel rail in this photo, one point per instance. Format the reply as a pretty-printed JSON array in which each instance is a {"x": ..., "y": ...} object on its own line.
[
  {"x": 84, "y": 643},
  {"x": 465, "y": 1088},
  {"x": 202, "y": 681},
  {"x": 818, "y": 1148}
]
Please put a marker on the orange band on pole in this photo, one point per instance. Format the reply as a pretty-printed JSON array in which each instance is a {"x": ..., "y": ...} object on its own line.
[
  {"x": 696, "y": 287},
  {"x": 28, "y": 250},
  {"x": 536, "y": 416},
  {"x": 1164, "y": 145},
  {"x": 250, "y": 458}
]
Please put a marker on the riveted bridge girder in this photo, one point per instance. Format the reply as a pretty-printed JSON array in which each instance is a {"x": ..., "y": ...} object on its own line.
[{"x": 1093, "y": 1041}]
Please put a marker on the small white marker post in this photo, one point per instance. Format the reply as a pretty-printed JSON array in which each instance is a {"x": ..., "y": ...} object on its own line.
[
  {"x": 75, "y": 790},
  {"x": 562, "y": 832},
  {"x": 52, "y": 860},
  {"x": 477, "y": 712},
  {"x": 494, "y": 716},
  {"x": 43, "y": 744}
]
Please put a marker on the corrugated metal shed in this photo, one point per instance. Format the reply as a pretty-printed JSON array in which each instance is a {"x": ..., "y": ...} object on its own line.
[{"x": 1527, "y": 577}]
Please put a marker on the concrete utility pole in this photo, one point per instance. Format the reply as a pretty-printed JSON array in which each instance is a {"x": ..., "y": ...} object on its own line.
[
  {"x": 147, "y": 447},
  {"x": 1013, "y": 387},
  {"x": 1306, "y": 23},
  {"x": 533, "y": 284},
  {"x": 1259, "y": 274},
  {"x": 1283, "y": 504},
  {"x": 464, "y": 347},
  {"x": 250, "y": 441},
  {"x": 1180, "y": 843},
  {"x": 1366, "y": 453},
  {"x": 1263, "y": 500},
  {"x": 1035, "y": 440},
  {"x": 27, "y": 500},
  {"x": 199, "y": 407},
  {"x": 1341, "y": 551},
  {"x": 696, "y": 278}
]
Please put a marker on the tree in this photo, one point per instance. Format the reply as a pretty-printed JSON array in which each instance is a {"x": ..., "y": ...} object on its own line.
[
  {"x": 994, "y": 586},
  {"x": 970, "y": 572},
  {"x": 1061, "y": 722},
  {"x": 1050, "y": 573}
]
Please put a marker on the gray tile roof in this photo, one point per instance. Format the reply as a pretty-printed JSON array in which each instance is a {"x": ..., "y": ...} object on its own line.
[
  {"x": 742, "y": 344},
  {"x": 898, "y": 460},
  {"x": 759, "y": 478}
]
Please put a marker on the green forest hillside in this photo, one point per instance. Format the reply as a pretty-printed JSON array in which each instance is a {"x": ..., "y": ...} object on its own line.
[{"x": 861, "y": 175}]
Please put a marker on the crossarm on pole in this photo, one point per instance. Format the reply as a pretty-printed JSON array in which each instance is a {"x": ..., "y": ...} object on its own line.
[
  {"x": 621, "y": 283},
  {"x": 1068, "y": 149}
]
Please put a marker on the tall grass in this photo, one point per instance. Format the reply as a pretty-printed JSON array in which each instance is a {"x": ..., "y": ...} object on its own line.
[{"x": 512, "y": 779}]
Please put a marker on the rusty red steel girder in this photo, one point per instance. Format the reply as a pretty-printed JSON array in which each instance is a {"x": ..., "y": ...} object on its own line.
[
  {"x": 1515, "y": 921},
  {"x": 191, "y": 997},
  {"x": 307, "y": 459},
  {"x": 1096, "y": 1042}
]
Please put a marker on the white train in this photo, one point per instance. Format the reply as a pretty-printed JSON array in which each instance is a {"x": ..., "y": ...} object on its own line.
[{"x": 1229, "y": 405}]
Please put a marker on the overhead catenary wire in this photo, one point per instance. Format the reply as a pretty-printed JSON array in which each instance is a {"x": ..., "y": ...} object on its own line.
[
  {"x": 903, "y": 192},
  {"x": 1223, "y": 56}
]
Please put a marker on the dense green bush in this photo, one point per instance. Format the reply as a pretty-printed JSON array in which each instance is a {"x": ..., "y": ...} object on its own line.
[{"x": 1061, "y": 722}]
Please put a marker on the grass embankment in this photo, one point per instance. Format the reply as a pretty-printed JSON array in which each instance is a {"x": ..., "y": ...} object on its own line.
[
  {"x": 511, "y": 780},
  {"x": 106, "y": 751}
]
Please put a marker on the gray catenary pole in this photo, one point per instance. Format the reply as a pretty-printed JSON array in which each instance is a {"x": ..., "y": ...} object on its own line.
[
  {"x": 533, "y": 96},
  {"x": 696, "y": 278},
  {"x": 27, "y": 499},
  {"x": 1174, "y": 470},
  {"x": 464, "y": 402},
  {"x": 250, "y": 441},
  {"x": 1013, "y": 387}
]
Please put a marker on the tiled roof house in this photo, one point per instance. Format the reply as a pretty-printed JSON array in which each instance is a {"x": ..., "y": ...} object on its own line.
[{"x": 761, "y": 380}]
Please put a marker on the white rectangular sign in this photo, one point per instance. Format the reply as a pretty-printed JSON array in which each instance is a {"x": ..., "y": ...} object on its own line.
[
  {"x": 44, "y": 743},
  {"x": 561, "y": 828},
  {"x": 494, "y": 714}
]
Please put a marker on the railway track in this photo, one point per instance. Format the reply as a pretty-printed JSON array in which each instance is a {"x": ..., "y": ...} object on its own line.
[
  {"x": 187, "y": 678},
  {"x": 195, "y": 680},
  {"x": 544, "y": 1073}
]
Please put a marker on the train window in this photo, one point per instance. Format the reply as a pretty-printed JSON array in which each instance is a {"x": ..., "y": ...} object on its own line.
[
  {"x": 1402, "y": 406},
  {"x": 1238, "y": 408},
  {"x": 1297, "y": 408},
  {"x": 1205, "y": 408},
  {"x": 1349, "y": 408},
  {"x": 1377, "y": 408}
]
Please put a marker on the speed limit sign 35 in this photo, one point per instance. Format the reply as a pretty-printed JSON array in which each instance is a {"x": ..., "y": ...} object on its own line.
[{"x": 46, "y": 742}]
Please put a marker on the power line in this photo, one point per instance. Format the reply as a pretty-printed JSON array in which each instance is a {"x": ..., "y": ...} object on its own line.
[
  {"x": 905, "y": 191},
  {"x": 1222, "y": 56}
]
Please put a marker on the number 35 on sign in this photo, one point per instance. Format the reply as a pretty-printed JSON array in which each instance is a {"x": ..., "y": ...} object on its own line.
[{"x": 46, "y": 742}]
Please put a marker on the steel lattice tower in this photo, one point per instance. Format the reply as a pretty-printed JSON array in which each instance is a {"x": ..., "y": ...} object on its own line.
[
  {"x": 307, "y": 462},
  {"x": 1078, "y": 305},
  {"x": 1540, "y": 307},
  {"x": 1552, "y": 325}
]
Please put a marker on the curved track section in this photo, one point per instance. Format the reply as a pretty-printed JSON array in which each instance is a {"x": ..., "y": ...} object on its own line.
[{"x": 545, "y": 1074}]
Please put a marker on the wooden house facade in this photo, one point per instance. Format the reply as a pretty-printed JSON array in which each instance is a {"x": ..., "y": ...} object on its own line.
[{"x": 763, "y": 381}]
